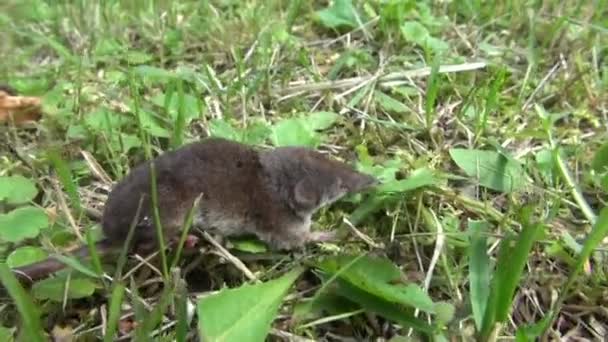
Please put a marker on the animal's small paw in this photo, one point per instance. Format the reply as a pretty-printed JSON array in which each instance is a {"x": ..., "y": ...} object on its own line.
[
  {"x": 322, "y": 236},
  {"x": 191, "y": 241}
]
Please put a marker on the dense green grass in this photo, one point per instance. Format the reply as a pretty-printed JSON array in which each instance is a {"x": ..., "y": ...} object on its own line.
[{"x": 485, "y": 120}]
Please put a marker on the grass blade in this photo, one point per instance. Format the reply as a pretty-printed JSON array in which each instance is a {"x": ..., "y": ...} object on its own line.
[
  {"x": 156, "y": 315},
  {"x": 157, "y": 223},
  {"x": 95, "y": 259},
  {"x": 181, "y": 306},
  {"x": 431, "y": 92},
  {"x": 180, "y": 120},
  {"x": 77, "y": 265},
  {"x": 122, "y": 258},
  {"x": 479, "y": 270},
  {"x": 599, "y": 231},
  {"x": 65, "y": 176},
  {"x": 139, "y": 311},
  {"x": 513, "y": 266},
  {"x": 28, "y": 311},
  {"x": 491, "y": 103},
  {"x": 185, "y": 229},
  {"x": 115, "y": 304},
  {"x": 512, "y": 259}
]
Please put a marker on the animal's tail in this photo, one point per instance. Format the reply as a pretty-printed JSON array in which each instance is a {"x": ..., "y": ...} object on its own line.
[{"x": 38, "y": 270}]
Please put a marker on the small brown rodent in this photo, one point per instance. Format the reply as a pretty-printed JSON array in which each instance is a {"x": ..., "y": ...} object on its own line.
[{"x": 268, "y": 193}]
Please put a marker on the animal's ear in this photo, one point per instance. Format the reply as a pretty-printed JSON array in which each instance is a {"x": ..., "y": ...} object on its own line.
[{"x": 304, "y": 194}]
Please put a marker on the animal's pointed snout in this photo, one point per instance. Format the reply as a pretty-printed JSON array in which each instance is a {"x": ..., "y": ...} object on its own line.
[{"x": 362, "y": 181}]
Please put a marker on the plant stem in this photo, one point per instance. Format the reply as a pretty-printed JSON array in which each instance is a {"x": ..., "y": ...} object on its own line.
[{"x": 574, "y": 189}]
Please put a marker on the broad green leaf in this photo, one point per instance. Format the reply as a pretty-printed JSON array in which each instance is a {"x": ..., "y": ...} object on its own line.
[
  {"x": 382, "y": 307},
  {"x": 76, "y": 264},
  {"x": 418, "y": 178},
  {"x": 600, "y": 160},
  {"x": 381, "y": 269},
  {"x": 7, "y": 334},
  {"x": 25, "y": 255},
  {"x": 244, "y": 313},
  {"x": 532, "y": 332},
  {"x": 415, "y": 32},
  {"x": 340, "y": 14},
  {"x": 390, "y": 189},
  {"x": 190, "y": 105},
  {"x": 256, "y": 133},
  {"x": 444, "y": 312},
  {"x": 124, "y": 142},
  {"x": 22, "y": 223},
  {"x": 479, "y": 270},
  {"x": 104, "y": 120},
  {"x": 115, "y": 76},
  {"x": 325, "y": 303},
  {"x": 570, "y": 242},
  {"x": 386, "y": 171},
  {"x": 556, "y": 250},
  {"x": 366, "y": 208},
  {"x": 293, "y": 132},
  {"x": 388, "y": 103},
  {"x": 107, "y": 47},
  {"x": 492, "y": 169},
  {"x": 365, "y": 160},
  {"x": 17, "y": 189},
  {"x": 399, "y": 338},
  {"x": 222, "y": 129},
  {"x": 77, "y": 132},
  {"x": 154, "y": 73},
  {"x": 302, "y": 130},
  {"x": 30, "y": 314},
  {"x": 379, "y": 277},
  {"x": 249, "y": 245},
  {"x": 54, "y": 288},
  {"x": 163, "y": 76},
  {"x": 346, "y": 61},
  {"x": 152, "y": 125},
  {"x": 63, "y": 238},
  {"x": 320, "y": 120},
  {"x": 37, "y": 85},
  {"x": 138, "y": 57}
]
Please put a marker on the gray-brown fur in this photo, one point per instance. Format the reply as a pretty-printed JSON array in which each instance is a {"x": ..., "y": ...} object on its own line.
[{"x": 271, "y": 194}]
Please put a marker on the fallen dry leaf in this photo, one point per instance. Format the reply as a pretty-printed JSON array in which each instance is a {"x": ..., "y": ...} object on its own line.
[{"x": 21, "y": 109}]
